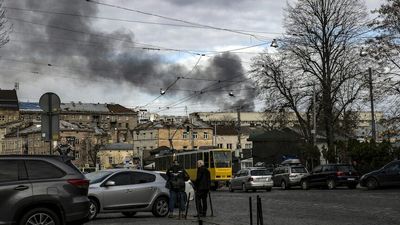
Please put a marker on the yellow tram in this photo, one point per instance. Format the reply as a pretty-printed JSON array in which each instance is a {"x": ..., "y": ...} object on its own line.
[{"x": 218, "y": 162}]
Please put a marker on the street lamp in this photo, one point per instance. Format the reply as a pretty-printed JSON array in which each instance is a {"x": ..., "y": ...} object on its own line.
[
  {"x": 364, "y": 53},
  {"x": 274, "y": 43}
]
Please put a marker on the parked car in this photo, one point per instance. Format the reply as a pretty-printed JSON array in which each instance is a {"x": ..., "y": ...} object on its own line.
[
  {"x": 128, "y": 192},
  {"x": 252, "y": 179},
  {"x": 389, "y": 175},
  {"x": 331, "y": 176},
  {"x": 189, "y": 190},
  {"x": 36, "y": 190},
  {"x": 289, "y": 175}
]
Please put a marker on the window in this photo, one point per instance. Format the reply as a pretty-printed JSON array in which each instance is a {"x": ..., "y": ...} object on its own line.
[
  {"x": 393, "y": 168},
  {"x": 2, "y": 118},
  {"x": 193, "y": 160},
  {"x": 185, "y": 147},
  {"x": 194, "y": 135},
  {"x": 121, "y": 179},
  {"x": 110, "y": 160},
  {"x": 42, "y": 170},
  {"x": 8, "y": 170},
  {"x": 229, "y": 146},
  {"x": 317, "y": 169},
  {"x": 220, "y": 145},
  {"x": 206, "y": 159},
  {"x": 205, "y": 135},
  {"x": 185, "y": 135},
  {"x": 142, "y": 178},
  {"x": 247, "y": 146},
  {"x": 187, "y": 161}
]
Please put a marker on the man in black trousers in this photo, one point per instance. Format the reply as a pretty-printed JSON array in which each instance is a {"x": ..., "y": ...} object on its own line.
[{"x": 202, "y": 186}]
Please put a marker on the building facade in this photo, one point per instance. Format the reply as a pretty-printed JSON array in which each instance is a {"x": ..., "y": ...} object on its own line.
[
  {"x": 9, "y": 109},
  {"x": 179, "y": 136}
]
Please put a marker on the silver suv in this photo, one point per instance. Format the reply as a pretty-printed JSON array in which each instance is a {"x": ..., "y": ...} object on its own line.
[
  {"x": 253, "y": 178},
  {"x": 128, "y": 192},
  {"x": 289, "y": 175}
]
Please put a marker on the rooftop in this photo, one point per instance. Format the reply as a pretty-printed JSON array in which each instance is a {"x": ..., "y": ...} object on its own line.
[{"x": 8, "y": 100}]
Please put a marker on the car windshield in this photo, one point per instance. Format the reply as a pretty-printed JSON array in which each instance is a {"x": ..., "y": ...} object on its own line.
[
  {"x": 222, "y": 159},
  {"x": 97, "y": 177},
  {"x": 260, "y": 172},
  {"x": 298, "y": 169}
]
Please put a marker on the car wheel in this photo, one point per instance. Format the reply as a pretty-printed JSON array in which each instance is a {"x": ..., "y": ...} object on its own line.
[
  {"x": 93, "y": 209},
  {"x": 283, "y": 185},
  {"x": 254, "y": 190},
  {"x": 331, "y": 184},
  {"x": 40, "y": 216},
  {"x": 160, "y": 207},
  {"x": 304, "y": 185},
  {"x": 372, "y": 183},
  {"x": 129, "y": 214},
  {"x": 244, "y": 187},
  {"x": 269, "y": 189}
]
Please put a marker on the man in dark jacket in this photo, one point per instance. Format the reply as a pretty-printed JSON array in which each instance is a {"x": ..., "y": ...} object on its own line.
[
  {"x": 202, "y": 186},
  {"x": 176, "y": 177}
]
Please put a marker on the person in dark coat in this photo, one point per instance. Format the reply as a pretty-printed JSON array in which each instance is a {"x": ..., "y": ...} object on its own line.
[
  {"x": 202, "y": 186},
  {"x": 176, "y": 177}
]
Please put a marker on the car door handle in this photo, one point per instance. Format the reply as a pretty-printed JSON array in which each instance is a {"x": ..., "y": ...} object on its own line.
[{"x": 21, "y": 188}]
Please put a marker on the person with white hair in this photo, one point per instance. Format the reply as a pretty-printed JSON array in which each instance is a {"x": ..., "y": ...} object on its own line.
[{"x": 202, "y": 186}]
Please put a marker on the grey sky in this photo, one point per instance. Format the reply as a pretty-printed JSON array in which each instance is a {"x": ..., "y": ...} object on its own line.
[{"x": 87, "y": 72}]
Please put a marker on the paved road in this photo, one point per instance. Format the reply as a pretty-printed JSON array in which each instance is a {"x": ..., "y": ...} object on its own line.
[{"x": 291, "y": 207}]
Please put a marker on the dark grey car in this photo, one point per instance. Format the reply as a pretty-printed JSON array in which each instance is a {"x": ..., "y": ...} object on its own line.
[{"x": 39, "y": 190}]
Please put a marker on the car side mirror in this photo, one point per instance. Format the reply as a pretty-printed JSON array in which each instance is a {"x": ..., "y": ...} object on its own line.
[{"x": 110, "y": 183}]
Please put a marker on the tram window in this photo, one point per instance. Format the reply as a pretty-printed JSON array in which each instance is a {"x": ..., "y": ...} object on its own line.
[
  {"x": 193, "y": 160},
  {"x": 199, "y": 156},
  {"x": 206, "y": 159},
  {"x": 180, "y": 159},
  {"x": 212, "y": 160},
  {"x": 187, "y": 161}
]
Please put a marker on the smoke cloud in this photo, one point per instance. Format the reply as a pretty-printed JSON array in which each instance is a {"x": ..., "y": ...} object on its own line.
[{"x": 117, "y": 58}]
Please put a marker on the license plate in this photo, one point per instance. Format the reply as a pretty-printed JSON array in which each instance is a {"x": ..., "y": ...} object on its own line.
[{"x": 351, "y": 178}]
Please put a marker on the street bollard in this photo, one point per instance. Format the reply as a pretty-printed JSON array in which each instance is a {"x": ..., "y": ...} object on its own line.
[
  {"x": 251, "y": 211},
  {"x": 200, "y": 222},
  {"x": 259, "y": 211}
]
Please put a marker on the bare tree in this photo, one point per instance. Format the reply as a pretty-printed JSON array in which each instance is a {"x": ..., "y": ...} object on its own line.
[
  {"x": 321, "y": 47},
  {"x": 5, "y": 28}
]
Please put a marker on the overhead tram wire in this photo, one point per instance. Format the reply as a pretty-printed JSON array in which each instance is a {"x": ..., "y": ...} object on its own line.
[
  {"x": 175, "y": 19},
  {"x": 173, "y": 83},
  {"x": 132, "y": 21},
  {"x": 198, "y": 93},
  {"x": 144, "y": 45}
]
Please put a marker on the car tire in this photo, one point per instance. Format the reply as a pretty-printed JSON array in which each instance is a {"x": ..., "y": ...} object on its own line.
[
  {"x": 93, "y": 209},
  {"x": 244, "y": 189},
  {"x": 284, "y": 185},
  {"x": 331, "y": 184},
  {"x": 40, "y": 216},
  {"x": 160, "y": 207},
  {"x": 254, "y": 190},
  {"x": 269, "y": 189},
  {"x": 372, "y": 183},
  {"x": 129, "y": 214},
  {"x": 304, "y": 185}
]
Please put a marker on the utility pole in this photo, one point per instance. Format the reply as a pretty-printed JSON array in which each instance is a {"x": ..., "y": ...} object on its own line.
[
  {"x": 239, "y": 145},
  {"x": 314, "y": 131},
  {"x": 371, "y": 95}
]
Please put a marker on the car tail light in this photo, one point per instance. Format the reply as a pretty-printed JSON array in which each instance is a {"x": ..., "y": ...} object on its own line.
[
  {"x": 250, "y": 179},
  {"x": 340, "y": 173},
  {"x": 79, "y": 183}
]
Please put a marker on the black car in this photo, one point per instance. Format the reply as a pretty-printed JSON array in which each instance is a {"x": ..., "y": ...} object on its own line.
[
  {"x": 38, "y": 190},
  {"x": 331, "y": 176},
  {"x": 388, "y": 175}
]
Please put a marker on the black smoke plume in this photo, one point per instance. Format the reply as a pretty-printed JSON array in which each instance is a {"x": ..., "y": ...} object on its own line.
[{"x": 117, "y": 58}]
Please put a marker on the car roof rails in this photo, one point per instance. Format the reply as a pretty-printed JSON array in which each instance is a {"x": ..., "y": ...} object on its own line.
[{"x": 289, "y": 162}]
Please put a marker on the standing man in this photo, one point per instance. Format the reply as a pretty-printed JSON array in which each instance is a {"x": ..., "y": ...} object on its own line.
[
  {"x": 202, "y": 185},
  {"x": 176, "y": 177}
]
